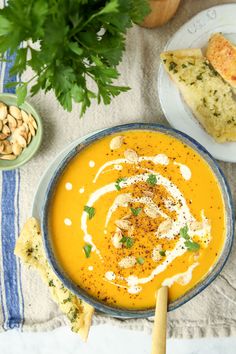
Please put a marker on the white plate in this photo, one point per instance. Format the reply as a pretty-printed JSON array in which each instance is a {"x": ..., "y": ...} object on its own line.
[
  {"x": 195, "y": 34},
  {"x": 41, "y": 190}
]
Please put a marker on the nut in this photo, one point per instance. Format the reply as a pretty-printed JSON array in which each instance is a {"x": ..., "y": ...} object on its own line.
[
  {"x": 15, "y": 112},
  {"x": 116, "y": 142},
  {"x": 151, "y": 210},
  {"x": 123, "y": 224},
  {"x": 7, "y": 147},
  {"x": 33, "y": 122},
  {"x": 116, "y": 238},
  {"x": 156, "y": 256},
  {"x": 16, "y": 149},
  {"x": 8, "y": 157},
  {"x": 131, "y": 155},
  {"x": 31, "y": 128},
  {"x": 19, "y": 123},
  {"x": 3, "y": 111},
  {"x": 19, "y": 126},
  {"x": 127, "y": 262},
  {"x": 12, "y": 123},
  {"x": 6, "y": 130},
  {"x": 3, "y": 136},
  {"x": 164, "y": 227},
  {"x": 25, "y": 116}
]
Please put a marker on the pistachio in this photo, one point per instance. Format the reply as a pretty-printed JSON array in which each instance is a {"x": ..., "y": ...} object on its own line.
[
  {"x": 3, "y": 111},
  {"x": 116, "y": 142},
  {"x": 8, "y": 157},
  {"x": 131, "y": 155},
  {"x": 15, "y": 112}
]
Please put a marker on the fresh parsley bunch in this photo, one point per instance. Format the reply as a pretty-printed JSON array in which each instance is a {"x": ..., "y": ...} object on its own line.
[{"x": 76, "y": 40}]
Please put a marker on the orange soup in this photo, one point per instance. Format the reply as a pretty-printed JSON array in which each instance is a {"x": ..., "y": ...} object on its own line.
[{"x": 134, "y": 211}]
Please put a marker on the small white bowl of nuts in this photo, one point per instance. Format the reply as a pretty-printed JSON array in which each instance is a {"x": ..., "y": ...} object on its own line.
[{"x": 20, "y": 132}]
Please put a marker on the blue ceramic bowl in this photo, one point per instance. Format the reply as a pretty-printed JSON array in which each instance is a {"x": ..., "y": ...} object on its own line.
[{"x": 229, "y": 212}]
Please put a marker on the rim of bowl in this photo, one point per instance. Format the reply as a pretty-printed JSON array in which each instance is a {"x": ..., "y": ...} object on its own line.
[
  {"x": 203, "y": 283},
  {"x": 14, "y": 163}
]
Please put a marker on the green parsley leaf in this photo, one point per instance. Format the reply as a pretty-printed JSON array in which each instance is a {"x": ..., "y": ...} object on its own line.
[
  {"x": 128, "y": 242},
  {"x": 21, "y": 92},
  {"x": 136, "y": 211},
  {"x": 192, "y": 246},
  {"x": 140, "y": 260},
  {"x": 118, "y": 181},
  {"x": 51, "y": 284},
  {"x": 162, "y": 253},
  {"x": 87, "y": 250},
  {"x": 152, "y": 179},
  {"x": 184, "y": 232},
  {"x": 90, "y": 211},
  {"x": 80, "y": 42}
]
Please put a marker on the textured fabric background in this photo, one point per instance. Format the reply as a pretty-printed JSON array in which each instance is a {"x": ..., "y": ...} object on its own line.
[{"x": 24, "y": 300}]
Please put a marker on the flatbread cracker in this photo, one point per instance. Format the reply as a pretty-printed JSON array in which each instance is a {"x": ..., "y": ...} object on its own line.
[{"x": 29, "y": 248}]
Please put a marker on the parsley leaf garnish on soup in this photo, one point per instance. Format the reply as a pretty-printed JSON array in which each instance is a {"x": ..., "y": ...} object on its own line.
[
  {"x": 90, "y": 211},
  {"x": 87, "y": 250},
  {"x": 136, "y": 211},
  {"x": 118, "y": 181},
  {"x": 140, "y": 260},
  {"x": 127, "y": 241},
  {"x": 152, "y": 180}
]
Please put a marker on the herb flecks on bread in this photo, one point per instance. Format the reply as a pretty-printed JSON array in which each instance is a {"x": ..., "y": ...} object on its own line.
[
  {"x": 29, "y": 248},
  {"x": 221, "y": 53},
  {"x": 206, "y": 93}
]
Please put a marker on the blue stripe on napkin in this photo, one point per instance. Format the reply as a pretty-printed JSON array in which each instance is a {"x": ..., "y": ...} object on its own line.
[
  {"x": 8, "y": 244},
  {"x": 12, "y": 289}
]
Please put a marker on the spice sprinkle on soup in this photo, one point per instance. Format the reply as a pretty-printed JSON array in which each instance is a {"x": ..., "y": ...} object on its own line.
[{"x": 134, "y": 211}]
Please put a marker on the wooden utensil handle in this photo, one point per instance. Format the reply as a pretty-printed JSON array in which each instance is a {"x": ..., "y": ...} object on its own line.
[{"x": 159, "y": 329}]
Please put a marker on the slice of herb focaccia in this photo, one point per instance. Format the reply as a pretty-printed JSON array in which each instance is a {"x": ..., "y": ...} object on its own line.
[
  {"x": 206, "y": 93},
  {"x": 29, "y": 248}
]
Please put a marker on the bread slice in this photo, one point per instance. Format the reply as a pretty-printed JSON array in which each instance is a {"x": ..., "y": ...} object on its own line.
[
  {"x": 29, "y": 248},
  {"x": 221, "y": 53},
  {"x": 206, "y": 93}
]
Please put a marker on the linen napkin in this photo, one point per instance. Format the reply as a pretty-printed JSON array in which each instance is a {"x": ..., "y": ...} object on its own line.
[{"x": 24, "y": 300}]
